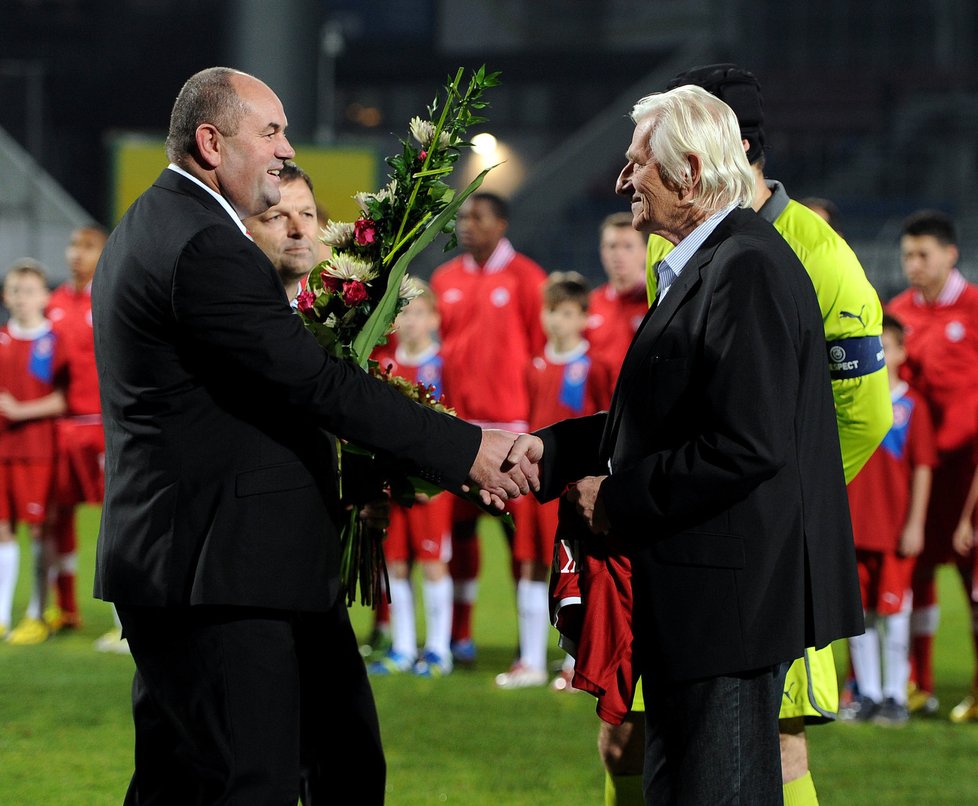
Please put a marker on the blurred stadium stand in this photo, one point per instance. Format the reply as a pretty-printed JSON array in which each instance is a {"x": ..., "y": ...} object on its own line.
[{"x": 873, "y": 105}]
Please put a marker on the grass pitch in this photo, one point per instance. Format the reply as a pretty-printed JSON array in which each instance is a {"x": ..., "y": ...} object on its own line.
[{"x": 66, "y": 734}]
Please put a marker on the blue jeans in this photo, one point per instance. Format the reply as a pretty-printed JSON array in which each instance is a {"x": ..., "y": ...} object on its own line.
[{"x": 714, "y": 741}]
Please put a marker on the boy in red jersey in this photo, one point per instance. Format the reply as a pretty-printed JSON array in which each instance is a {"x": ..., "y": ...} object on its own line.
[
  {"x": 888, "y": 505},
  {"x": 420, "y": 533},
  {"x": 940, "y": 315},
  {"x": 617, "y": 308},
  {"x": 30, "y": 397},
  {"x": 81, "y": 442},
  {"x": 489, "y": 304},
  {"x": 565, "y": 381}
]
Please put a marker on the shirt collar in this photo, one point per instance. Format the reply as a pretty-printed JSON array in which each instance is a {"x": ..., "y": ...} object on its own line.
[
  {"x": 28, "y": 333},
  {"x": 498, "y": 260},
  {"x": 953, "y": 288},
  {"x": 686, "y": 248},
  {"x": 220, "y": 199},
  {"x": 776, "y": 203},
  {"x": 568, "y": 356},
  {"x": 416, "y": 360}
]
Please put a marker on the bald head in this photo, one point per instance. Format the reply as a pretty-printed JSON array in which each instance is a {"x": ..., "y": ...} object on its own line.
[{"x": 210, "y": 96}]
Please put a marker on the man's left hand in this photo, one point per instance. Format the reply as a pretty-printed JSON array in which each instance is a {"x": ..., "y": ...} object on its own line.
[
  {"x": 504, "y": 467},
  {"x": 376, "y": 514},
  {"x": 583, "y": 494}
]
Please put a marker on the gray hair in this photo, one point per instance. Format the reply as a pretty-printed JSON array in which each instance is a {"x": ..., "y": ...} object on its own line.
[
  {"x": 206, "y": 97},
  {"x": 689, "y": 120}
]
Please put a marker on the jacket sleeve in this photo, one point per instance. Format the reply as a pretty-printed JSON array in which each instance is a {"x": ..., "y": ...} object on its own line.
[
  {"x": 570, "y": 452},
  {"x": 850, "y": 308},
  {"x": 233, "y": 318}
]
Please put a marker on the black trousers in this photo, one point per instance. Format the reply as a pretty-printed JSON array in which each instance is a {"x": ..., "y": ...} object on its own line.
[
  {"x": 251, "y": 706},
  {"x": 714, "y": 741}
]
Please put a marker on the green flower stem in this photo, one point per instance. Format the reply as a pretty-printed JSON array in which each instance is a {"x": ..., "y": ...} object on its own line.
[
  {"x": 375, "y": 327},
  {"x": 434, "y": 172},
  {"x": 390, "y": 255},
  {"x": 452, "y": 90}
]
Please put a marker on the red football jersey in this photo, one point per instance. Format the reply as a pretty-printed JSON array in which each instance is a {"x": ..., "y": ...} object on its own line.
[
  {"x": 942, "y": 357},
  {"x": 425, "y": 368},
  {"x": 30, "y": 367},
  {"x": 879, "y": 496},
  {"x": 70, "y": 312},
  {"x": 419, "y": 531},
  {"x": 561, "y": 386},
  {"x": 612, "y": 320},
  {"x": 490, "y": 328},
  {"x": 574, "y": 384}
]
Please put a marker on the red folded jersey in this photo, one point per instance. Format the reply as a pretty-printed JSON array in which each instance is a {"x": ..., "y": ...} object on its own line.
[{"x": 591, "y": 607}]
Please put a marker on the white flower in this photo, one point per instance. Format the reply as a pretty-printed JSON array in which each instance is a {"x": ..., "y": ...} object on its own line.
[
  {"x": 363, "y": 199},
  {"x": 345, "y": 267},
  {"x": 338, "y": 234},
  {"x": 331, "y": 320},
  {"x": 424, "y": 132},
  {"x": 409, "y": 289},
  {"x": 387, "y": 192}
]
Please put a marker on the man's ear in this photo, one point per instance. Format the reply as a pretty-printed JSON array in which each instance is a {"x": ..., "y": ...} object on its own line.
[
  {"x": 209, "y": 144},
  {"x": 695, "y": 172}
]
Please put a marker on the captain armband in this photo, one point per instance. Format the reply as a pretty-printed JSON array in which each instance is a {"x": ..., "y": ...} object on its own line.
[{"x": 855, "y": 357}]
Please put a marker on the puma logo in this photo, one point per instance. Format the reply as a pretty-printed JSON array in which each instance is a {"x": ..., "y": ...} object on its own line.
[{"x": 857, "y": 316}]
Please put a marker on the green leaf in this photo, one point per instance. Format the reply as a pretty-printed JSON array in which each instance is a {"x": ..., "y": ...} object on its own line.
[{"x": 379, "y": 321}]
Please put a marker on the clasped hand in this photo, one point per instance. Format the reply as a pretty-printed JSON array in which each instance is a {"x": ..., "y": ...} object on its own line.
[
  {"x": 583, "y": 494},
  {"x": 507, "y": 466}
]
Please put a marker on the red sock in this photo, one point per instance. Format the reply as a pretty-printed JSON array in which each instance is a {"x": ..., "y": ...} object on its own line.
[
  {"x": 922, "y": 661},
  {"x": 382, "y": 613},
  {"x": 66, "y": 543},
  {"x": 461, "y": 621},
  {"x": 66, "y": 595}
]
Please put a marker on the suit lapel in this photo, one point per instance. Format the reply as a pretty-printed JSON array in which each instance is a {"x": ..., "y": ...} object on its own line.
[{"x": 655, "y": 323}]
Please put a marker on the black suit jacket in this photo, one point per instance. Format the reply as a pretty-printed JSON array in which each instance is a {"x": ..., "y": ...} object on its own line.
[
  {"x": 726, "y": 468},
  {"x": 220, "y": 485}
]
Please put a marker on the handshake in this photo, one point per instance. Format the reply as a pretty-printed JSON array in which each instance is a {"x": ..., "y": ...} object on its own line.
[{"x": 507, "y": 466}]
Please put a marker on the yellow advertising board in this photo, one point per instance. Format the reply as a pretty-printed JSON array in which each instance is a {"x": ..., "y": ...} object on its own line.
[{"x": 337, "y": 172}]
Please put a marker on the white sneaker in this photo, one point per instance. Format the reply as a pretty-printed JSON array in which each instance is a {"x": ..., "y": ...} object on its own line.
[
  {"x": 563, "y": 681},
  {"x": 521, "y": 676},
  {"x": 113, "y": 642}
]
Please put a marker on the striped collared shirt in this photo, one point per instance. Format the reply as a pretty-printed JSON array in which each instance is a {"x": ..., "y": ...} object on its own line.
[{"x": 679, "y": 257}]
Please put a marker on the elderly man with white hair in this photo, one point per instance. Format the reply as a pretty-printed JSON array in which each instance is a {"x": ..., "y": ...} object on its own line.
[{"x": 717, "y": 471}]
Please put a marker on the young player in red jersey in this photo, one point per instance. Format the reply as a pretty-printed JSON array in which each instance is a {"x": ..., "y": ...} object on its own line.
[
  {"x": 30, "y": 397},
  {"x": 81, "y": 441},
  {"x": 489, "y": 304},
  {"x": 420, "y": 533},
  {"x": 940, "y": 315},
  {"x": 888, "y": 504},
  {"x": 565, "y": 381},
  {"x": 617, "y": 308}
]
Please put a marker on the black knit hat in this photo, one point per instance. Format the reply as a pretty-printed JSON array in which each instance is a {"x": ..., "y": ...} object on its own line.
[{"x": 740, "y": 90}]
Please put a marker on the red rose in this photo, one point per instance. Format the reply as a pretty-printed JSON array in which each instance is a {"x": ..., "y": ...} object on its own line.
[
  {"x": 330, "y": 283},
  {"x": 354, "y": 292},
  {"x": 304, "y": 301},
  {"x": 364, "y": 231}
]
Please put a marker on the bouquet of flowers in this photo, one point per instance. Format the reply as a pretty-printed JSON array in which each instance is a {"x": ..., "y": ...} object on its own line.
[{"x": 351, "y": 299}]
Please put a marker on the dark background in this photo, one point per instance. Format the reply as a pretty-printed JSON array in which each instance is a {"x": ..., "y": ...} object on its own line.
[{"x": 872, "y": 104}]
